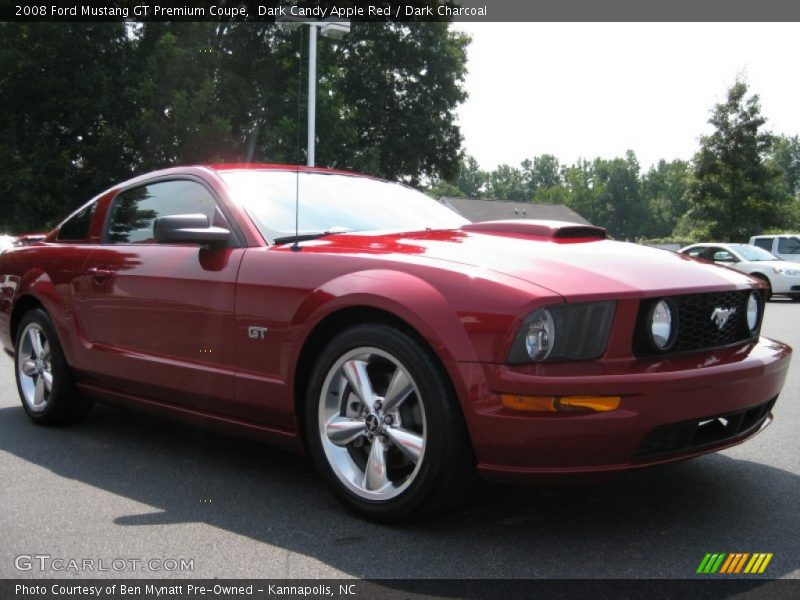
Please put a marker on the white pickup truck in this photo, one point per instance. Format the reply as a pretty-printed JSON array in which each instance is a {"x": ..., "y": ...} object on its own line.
[{"x": 785, "y": 246}]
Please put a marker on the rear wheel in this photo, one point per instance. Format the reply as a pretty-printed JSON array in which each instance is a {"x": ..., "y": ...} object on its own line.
[
  {"x": 384, "y": 428},
  {"x": 44, "y": 380}
]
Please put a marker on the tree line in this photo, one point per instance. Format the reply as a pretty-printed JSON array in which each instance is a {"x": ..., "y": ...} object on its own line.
[
  {"x": 86, "y": 105},
  {"x": 743, "y": 181}
]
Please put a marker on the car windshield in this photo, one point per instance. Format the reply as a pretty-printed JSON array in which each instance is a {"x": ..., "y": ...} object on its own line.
[
  {"x": 333, "y": 203},
  {"x": 753, "y": 253}
]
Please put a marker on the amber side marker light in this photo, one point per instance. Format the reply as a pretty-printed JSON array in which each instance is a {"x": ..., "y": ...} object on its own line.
[{"x": 561, "y": 403}]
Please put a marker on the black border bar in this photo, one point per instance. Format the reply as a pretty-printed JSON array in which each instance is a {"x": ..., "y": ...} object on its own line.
[
  {"x": 710, "y": 588},
  {"x": 404, "y": 10}
]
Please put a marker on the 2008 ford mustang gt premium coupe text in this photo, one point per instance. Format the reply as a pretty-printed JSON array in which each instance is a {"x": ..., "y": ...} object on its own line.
[{"x": 402, "y": 347}]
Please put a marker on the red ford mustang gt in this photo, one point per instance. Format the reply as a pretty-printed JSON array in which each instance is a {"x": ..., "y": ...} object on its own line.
[{"x": 400, "y": 346}]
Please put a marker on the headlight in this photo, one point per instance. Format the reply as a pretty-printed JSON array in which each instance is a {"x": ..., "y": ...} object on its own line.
[
  {"x": 663, "y": 325},
  {"x": 540, "y": 335},
  {"x": 753, "y": 309},
  {"x": 564, "y": 332},
  {"x": 787, "y": 271}
]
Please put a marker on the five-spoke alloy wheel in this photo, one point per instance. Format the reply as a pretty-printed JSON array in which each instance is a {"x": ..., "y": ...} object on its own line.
[
  {"x": 44, "y": 380},
  {"x": 34, "y": 368},
  {"x": 383, "y": 425},
  {"x": 372, "y": 423}
]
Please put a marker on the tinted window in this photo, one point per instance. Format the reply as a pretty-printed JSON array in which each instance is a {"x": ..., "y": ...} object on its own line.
[
  {"x": 789, "y": 245},
  {"x": 135, "y": 210},
  {"x": 765, "y": 243},
  {"x": 696, "y": 252},
  {"x": 76, "y": 228}
]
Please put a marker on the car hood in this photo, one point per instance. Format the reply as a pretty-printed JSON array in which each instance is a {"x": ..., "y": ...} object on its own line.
[{"x": 574, "y": 268}]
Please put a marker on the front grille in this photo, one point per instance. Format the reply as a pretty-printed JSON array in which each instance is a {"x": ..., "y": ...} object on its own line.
[
  {"x": 691, "y": 435},
  {"x": 696, "y": 330}
]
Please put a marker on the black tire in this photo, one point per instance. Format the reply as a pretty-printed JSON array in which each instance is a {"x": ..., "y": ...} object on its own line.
[
  {"x": 62, "y": 403},
  {"x": 445, "y": 471}
]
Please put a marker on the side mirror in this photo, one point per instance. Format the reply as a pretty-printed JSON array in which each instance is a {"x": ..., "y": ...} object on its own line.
[{"x": 190, "y": 229}]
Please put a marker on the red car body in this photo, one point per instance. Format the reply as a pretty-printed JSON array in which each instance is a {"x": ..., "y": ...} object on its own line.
[{"x": 178, "y": 330}]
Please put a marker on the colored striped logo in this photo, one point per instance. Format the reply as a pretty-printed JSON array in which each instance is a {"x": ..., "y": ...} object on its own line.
[{"x": 737, "y": 562}]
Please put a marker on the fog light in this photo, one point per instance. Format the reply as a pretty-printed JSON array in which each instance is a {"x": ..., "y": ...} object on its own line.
[
  {"x": 595, "y": 403},
  {"x": 535, "y": 403},
  {"x": 561, "y": 403}
]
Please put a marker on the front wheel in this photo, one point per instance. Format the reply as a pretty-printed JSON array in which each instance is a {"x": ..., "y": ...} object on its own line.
[
  {"x": 44, "y": 380},
  {"x": 383, "y": 426}
]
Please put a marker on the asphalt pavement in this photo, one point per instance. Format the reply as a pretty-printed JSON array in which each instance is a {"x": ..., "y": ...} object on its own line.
[{"x": 127, "y": 487}]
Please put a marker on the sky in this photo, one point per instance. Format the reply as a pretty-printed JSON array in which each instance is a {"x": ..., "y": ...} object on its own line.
[{"x": 583, "y": 90}]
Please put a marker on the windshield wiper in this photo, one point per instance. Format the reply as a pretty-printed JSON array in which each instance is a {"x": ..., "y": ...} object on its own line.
[{"x": 303, "y": 237}]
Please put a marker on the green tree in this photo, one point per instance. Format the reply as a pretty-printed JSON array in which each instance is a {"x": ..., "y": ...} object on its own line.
[
  {"x": 63, "y": 118},
  {"x": 84, "y": 105},
  {"x": 663, "y": 191},
  {"x": 471, "y": 179},
  {"x": 540, "y": 175},
  {"x": 400, "y": 85},
  {"x": 785, "y": 155},
  {"x": 618, "y": 196},
  {"x": 579, "y": 181},
  {"x": 734, "y": 192},
  {"x": 507, "y": 183}
]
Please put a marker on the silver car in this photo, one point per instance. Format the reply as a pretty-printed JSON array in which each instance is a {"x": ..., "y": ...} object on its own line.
[{"x": 783, "y": 277}]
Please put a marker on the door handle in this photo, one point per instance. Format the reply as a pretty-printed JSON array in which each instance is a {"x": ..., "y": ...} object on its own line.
[{"x": 99, "y": 272}]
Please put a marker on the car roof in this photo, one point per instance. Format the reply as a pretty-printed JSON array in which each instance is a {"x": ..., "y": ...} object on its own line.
[
  {"x": 277, "y": 167},
  {"x": 704, "y": 244}
]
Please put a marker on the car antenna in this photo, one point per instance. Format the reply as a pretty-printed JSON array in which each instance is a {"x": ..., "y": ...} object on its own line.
[{"x": 296, "y": 245}]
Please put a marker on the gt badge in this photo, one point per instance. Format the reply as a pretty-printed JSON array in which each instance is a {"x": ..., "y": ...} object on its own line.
[{"x": 257, "y": 333}]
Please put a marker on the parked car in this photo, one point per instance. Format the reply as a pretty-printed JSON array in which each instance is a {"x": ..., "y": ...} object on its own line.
[
  {"x": 784, "y": 246},
  {"x": 782, "y": 277},
  {"x": 402, "y": 347}
]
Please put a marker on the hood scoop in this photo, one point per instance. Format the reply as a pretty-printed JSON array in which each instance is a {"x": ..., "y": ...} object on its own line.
[{"x": 554, "y": 230}]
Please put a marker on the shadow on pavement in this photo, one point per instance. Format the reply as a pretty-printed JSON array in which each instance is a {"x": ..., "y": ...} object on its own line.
[{"x": 655, "y": 523}]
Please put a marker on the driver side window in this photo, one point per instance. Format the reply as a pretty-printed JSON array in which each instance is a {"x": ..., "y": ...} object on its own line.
[{"x": 134, "y": 211}]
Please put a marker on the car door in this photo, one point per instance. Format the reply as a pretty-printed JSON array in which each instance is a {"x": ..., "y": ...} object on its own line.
[{"x": 159, "y": 317}]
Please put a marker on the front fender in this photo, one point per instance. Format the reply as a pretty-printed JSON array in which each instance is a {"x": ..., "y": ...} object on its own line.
[
  {"x": 406, "y": 296},
  {"x": 36, "y": 287}
]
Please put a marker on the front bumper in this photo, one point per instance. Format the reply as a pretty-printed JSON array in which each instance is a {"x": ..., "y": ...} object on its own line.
[
  {"x": 672, "y": 408},
  {"x": 785, "y": 284}
]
